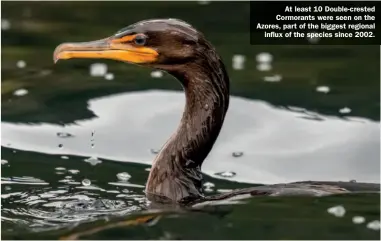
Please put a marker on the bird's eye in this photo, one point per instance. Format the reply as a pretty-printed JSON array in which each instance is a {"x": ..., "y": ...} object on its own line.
[{"x": 140, "y": 39}]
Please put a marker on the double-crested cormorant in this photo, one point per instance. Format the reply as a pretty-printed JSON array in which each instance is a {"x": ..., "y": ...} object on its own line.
[{"x": 176, "y": 47}]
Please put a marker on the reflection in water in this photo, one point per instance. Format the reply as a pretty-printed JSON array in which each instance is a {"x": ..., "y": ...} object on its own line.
[{"x": 279, "y": 145}]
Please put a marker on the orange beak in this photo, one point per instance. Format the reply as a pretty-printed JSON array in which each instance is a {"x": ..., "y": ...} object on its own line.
[{"x": 108, "y": 48}]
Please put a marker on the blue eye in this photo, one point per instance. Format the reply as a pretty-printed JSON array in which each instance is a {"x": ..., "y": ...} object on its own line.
[{"x": 140, "y": 39}]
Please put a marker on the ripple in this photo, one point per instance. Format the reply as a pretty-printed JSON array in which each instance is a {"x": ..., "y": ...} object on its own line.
[
  {"x": 125, "y": 184},
  {"x": 226, "y": 174},
  {"x": 23, "y": 180}
]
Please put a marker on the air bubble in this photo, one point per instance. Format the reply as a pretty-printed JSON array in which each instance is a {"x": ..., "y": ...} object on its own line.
[
  {"x": 93, "y": 160},
  {"x": 323, "y": 89},
  {"x": 264, "y": 67},
  {"x": 345, "y": 110},
  {"x": 123, "y": 176},
  {"x": 239, "y": 62},
  {"x": 73, "y": 171},
  {"x": 374, "y": 225},
  {"x": 156, "y": 74},
  {"x": 209, "y": 185},
  {"x": 264, "y": 58},
  {"x": 20, "y": 92},
  {"x": 337, "y": 211},
  {"x": 86, "y": 182},
  {"x": 5, "y": 24},
  {"x": 358, "y": 219},
  {"x": 98, "y": 69},
  {"x": 109, "y": 76},
  {"x": 21, "y": 64}
]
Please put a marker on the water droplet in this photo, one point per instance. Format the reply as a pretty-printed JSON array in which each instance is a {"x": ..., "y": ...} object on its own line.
[
  {"x": 86, "y": 182},
  {"x": 68, "y": 177},
  {"x": 264, "y": 58},
  {"x": 337, "y": 211},
  {"x": 60, "y": 168},
  {"x": 60, "y": 173},
  {"x": 5, "y": 24},
  {"x": 374, "y": 225},
  {"x": 123, "y": 176},
  {"x": 226, "y": 174},
  {"x": 156, "y": 74},
  {"x": 206, "y": 107},
  {"x": 60, "y": 145},
  {"x": 93, "y": 160},
  {"x": 7, "y": 188},
  {"x": 92, "y": 145},
  {"x": 73, "y": 171},
  {"x": 64, "y": 157},
  {"x": 20, "y": 92},
  {"x": 264, "y": 67},
  {"x": 273, "y": 78},
  {"x": 239, "y": 62},
  {"x": 92, "y": 133},
  {"x": 323, "y": 89},
  {"x": 109, "y": 76},
  {"x": 64, "y": 134},
  {"x": 237, "y": 154},
  {"x": 147, "y": 169},
  {"x": 21, "y": 64},
  {"x": 154, "y": 151},
  {"x": 3, "y": 162},
  {"x": 358, "y": 219},
  {"x": 345, "y": 110},
  {"x": 98, "y": 69},
  {"x": 209, "y": 185}
]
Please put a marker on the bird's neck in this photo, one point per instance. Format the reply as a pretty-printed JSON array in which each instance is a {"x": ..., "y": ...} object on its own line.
[{"x": 176, "y": 171}]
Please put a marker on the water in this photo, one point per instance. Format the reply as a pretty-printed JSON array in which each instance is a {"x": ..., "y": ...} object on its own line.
[{"x": 312, "y": 113}]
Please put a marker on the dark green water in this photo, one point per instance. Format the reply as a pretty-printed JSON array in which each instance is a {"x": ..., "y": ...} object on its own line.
[{"x": 287, "y": 130}]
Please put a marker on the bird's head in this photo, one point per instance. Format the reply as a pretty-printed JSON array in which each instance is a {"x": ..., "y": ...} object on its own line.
[{"x": 160, "y": 43}]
